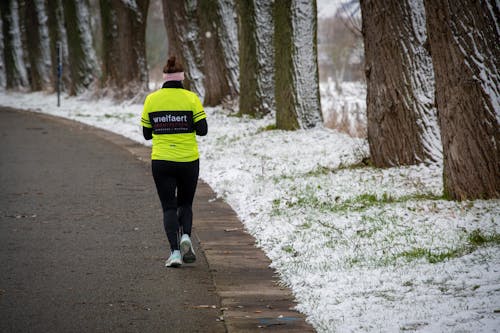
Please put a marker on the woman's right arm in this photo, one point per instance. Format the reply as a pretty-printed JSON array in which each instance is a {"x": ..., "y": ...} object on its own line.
[{"x": 201, "y": 127}]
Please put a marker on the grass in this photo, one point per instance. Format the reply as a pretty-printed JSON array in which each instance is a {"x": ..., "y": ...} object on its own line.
[
  {"x": 356, "y": 204},
  {"x": 267, "y": 128},
  {"x": 474, "y": 240}
]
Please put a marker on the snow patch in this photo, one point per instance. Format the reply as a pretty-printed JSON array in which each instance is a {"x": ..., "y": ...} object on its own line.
[{"x": 355, "y": 244}]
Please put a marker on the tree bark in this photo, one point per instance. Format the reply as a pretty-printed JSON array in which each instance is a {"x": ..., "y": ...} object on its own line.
[
  {"x": 214, "y": 69},
  {"x": 82, "y": 57},
  {"x": 3, "y": 78},
  {"x": 198, "y": 34},
  {"x": 256, "y": 57},
  {"x": 465, "y": 51},
  {"x": 15, "y": 68},
  {"x": 124, "y": 48},
  {"x": 228, "y": 35},
  {"x": 37, "y": 37},
  {"x": 57, "y": 32},
  {"x": 296, "y": 66},
  {"x": 402, "y": 118},
  {"x": 182, "y": 28}
]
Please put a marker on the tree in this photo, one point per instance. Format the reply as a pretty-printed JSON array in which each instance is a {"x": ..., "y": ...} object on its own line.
[
  {"x": 402, "y": 118},
  {"x": 296, "y": 66},
  {"x": 183, "y": 41},
  {"x": 214, "y": 78},
  {"x": 124, "y": 47},
  {"x": 228, "y": 36},
  {"x": 3, "y": 79},
  {"x": 82, "y": 57},
  {"x": 465, "y": 52},
  {"x": 38, "y": 45},
  {"x": 58, "y": 39},
  {"x": 256, "y": 57},
  {"x": 15, "y": 69},
  {"x": 198, "y": 34}
]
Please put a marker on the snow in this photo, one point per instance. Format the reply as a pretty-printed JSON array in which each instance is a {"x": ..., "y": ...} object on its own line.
[{"x": 356, "y": 245}]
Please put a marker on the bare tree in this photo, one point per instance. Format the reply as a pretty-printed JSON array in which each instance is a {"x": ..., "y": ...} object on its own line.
[
  {"x": 124, "y": 48},
  {"x": 38, "y": 45},
  {"x": 82, "y": 56},
  {"x": 465, "y": 51},
  {"x": 402, "y": 118},
  {"x": 15, "y": 68},
  {"x": 256, "y": 57},
  {"x": 296, "y": 66}
]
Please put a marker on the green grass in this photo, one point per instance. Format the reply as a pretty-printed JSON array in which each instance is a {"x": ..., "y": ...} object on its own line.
[
  {"x": 474, "y": 240},
  {"x": 271, "y": 127},
  {"x": 359, "y": 203}
]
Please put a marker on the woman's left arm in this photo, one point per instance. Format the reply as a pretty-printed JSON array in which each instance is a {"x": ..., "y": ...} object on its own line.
[{"x": 147, "y": 132}]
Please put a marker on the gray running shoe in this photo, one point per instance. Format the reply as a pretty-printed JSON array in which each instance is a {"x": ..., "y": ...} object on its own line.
[
  {"x": 188, "y": 255},
  {"x": 175, "y": 259}
]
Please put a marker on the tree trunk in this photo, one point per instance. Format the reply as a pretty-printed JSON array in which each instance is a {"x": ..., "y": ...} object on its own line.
[
  {"x": 38, "y": 44},
  {"x": 15, "y": 68},
  {"x": 402, "y": 118},
  {"x": 124, "y": 48},
  {"x": 82, "y": 57},
  {"x": 256, "y": 57},
  {"x": 3, "y": 78},
  {"x": 214, "y": 69},
  {"x": 57, "y": 33},
  {"x": 228, "y": 35},
  {"x": 465, "y": 51},
  {"x": 296, "y": 66},
  {"x": 183, "y": 33},
  {"x": 198, "y": 35}
]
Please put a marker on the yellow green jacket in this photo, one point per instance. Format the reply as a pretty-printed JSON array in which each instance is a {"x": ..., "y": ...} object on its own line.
[{"x": 171, "y": 113}]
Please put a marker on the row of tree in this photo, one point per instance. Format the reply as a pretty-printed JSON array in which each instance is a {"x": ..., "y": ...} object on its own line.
[
  {"x": 434, "y": 89},
  {"x": 431, "y": 68},
  {"x": 38, "y": 34},
  {"x": 263, "y": 52},
  {"x": 207, "y": 35}
]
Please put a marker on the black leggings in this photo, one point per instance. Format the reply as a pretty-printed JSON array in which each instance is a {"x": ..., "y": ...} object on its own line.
[{"x": 177, "y": 209}]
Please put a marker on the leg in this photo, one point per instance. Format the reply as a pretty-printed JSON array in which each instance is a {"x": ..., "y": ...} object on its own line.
[
  {"x": 165, "y": 181},
  {"x": 186, "y": 188}
]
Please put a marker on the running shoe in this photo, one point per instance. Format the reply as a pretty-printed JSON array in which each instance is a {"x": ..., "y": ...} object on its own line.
[
  {"x": 187, "y": 250},
  {"x": 175, "y": 259}
]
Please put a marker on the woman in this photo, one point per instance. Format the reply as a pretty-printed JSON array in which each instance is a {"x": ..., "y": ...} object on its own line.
[{"x": 172, "y": 117}]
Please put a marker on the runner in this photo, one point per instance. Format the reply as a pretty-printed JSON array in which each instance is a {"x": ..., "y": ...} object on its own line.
[{"x": 172, "y": 117}]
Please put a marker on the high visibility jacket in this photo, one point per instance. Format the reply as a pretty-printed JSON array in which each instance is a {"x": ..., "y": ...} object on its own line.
[{"x": 172, "y": 113}]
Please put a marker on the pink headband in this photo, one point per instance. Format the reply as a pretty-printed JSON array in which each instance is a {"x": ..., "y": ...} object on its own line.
[{"x": 179, "y": 76}]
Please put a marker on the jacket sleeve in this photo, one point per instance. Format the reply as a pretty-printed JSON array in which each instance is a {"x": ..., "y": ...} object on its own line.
[
  {"x": 147, "y": 132},
  {"x": 201, "y": 127}
]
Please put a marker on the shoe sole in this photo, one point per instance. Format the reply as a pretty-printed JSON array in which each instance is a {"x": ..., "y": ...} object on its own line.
[
  {"x": 174, "y": 264},
  {"x": 188, "y": 255}
]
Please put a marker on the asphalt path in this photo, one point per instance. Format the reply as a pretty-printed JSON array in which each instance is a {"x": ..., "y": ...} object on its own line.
[{"x": 82, "y": 246}]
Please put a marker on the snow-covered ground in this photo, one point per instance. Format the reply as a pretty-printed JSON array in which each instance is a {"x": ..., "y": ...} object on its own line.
[{"x": 363, "y": 249}]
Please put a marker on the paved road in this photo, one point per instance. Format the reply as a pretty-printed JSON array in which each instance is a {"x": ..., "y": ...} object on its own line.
[{"x": 82, "y": 247}]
